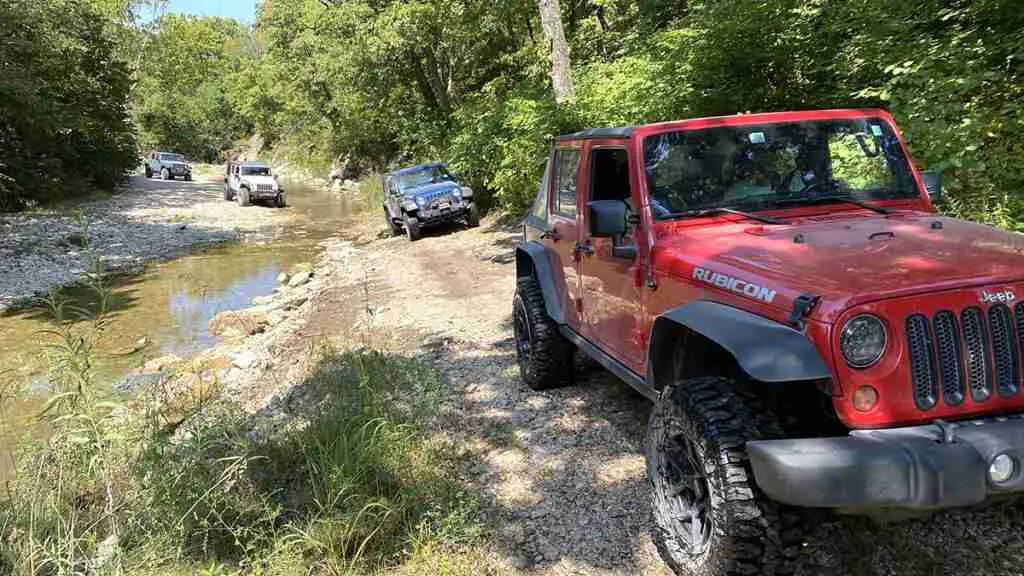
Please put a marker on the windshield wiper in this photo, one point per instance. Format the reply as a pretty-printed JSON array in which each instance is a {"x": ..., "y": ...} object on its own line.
[
  {"x": 716, "y": 211},
  {"x": 826, "y": 199}
]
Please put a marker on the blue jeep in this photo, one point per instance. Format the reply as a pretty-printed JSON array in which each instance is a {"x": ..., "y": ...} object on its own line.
[{"x": 426, "y": 195}]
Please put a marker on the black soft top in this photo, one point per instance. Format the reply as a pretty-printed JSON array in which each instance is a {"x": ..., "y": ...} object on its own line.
[{"x": 595, "y": 133}]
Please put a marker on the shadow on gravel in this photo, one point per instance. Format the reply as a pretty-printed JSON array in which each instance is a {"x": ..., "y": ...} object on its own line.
[{"x": 579, "y": 497}]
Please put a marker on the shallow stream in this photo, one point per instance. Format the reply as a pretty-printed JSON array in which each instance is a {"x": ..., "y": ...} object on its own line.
[{"x": 164, "y": 310}]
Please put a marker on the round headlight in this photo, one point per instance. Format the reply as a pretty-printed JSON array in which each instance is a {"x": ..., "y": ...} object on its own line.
[{"x": 862, "y": 341}]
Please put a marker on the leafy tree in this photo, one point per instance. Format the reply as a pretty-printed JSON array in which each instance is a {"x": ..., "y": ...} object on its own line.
[{"x": 64, "y": 126}]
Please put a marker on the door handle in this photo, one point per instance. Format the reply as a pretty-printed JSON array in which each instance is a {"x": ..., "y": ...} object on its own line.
[{"x": 584, "y": 249}]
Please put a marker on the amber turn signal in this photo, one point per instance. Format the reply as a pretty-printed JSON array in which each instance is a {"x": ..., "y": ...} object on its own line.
[{"x": 865, "y": 398}]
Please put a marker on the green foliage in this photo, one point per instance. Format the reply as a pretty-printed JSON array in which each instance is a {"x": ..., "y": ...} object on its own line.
[
  {"x": 64, "y": 126},
  {"x": 397, "y": 82},
  {"x": 194, "y": 86}
]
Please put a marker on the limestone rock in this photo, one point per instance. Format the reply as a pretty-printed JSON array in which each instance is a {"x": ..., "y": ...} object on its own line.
[
  {"x": 234, "y": 324},
  {"x": 299, "y": 279}
]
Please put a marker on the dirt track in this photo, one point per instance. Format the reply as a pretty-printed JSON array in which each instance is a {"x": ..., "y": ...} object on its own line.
[{"x": 562, "y": 472}]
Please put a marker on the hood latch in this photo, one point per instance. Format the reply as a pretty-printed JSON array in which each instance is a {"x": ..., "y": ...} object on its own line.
[{"x": 802, "y": 308}]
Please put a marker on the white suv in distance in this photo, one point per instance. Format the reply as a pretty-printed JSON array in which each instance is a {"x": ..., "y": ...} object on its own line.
[{"x": 168, "y": 165}]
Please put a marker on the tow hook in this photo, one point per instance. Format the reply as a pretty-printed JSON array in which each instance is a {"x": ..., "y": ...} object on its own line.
[
  {"x": 802, "y": 308},
  {"x": 948, "y": 430}
]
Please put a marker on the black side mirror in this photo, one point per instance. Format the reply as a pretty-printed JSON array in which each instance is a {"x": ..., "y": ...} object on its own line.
[
  {"x": 933, "y": 184},
  {"x": 607, "y": 218}
]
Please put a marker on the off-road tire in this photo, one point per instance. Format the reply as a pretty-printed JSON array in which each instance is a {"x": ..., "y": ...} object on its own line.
[
  {"x": 242, "y": 197},
  {"x": 227, "y": 193},
  {"x": 188, "y": 177},
  {"x": 149, "y": 172},
  {"x": 545, "y": 356},
  {"x": 393, "y": 228},
  {"x": 472, "y": 215},
  {"x": 279, "y": 201},
  {"x": 707, "y": 422},
  {"x": 165, "y": 174},
  {"x": 412, "y": 228}
]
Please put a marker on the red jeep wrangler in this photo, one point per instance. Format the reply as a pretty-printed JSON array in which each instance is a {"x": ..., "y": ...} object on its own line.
[{"x": 813, "y": 334}]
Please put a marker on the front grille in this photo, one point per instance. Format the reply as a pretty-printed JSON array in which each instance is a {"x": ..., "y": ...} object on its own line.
[
  {"x": 974, "y": 352},
  {"x": 264, "y": 187}
]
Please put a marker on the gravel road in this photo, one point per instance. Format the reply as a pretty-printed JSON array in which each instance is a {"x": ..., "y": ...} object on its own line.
[
  {"x": 561, "y": 471},
  {"x": 150, "y": 220}
]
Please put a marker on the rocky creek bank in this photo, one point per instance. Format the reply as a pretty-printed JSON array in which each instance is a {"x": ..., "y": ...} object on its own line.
[
  {"x": 263, "y": 351},
  {"x": 150, "y": 220}
]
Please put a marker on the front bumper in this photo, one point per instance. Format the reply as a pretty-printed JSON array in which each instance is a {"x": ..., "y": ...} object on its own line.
[
  {"x": 265, "y": 194},
  {"x": 919, "y": 467},
  {"x": 433, "y": 216}
]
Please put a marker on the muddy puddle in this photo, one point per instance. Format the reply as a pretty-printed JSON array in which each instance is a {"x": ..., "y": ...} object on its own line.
[{"x": 164, "y": 310}]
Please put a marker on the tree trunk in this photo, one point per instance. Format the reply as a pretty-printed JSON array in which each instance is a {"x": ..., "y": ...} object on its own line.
[{"x": 561, "y": 72}]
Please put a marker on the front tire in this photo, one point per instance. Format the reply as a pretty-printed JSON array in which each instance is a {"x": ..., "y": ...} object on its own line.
[
  {"x": 188, "y": 177},
  {"x": 412, "y": 228},
  {"x": 710, "y": 517},
  {"x": 243, "y": 197},
  {"x": 165, "y": 174},
  {"x": 545, "y": 356},
  {"x": 279, "y": 201},
  {"x": 149, "y": 172},
  {"x": 473, "y": 216},
  {"x": 227, "y": 193},
  {"x": 395, "y": 229}
]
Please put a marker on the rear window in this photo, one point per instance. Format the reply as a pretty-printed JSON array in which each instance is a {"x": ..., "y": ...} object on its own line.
[
  {"x": 538, "y": 215},
  {"x": 567, "y": 164}
]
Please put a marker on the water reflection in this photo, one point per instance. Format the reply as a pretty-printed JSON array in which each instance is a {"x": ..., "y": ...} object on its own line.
[{"x": 170, "y": 305}]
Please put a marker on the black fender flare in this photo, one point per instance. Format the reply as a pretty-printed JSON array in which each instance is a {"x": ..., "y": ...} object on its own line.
[
  {"x": 766, "y": 350},
  {"x": 532, "y": 257}
]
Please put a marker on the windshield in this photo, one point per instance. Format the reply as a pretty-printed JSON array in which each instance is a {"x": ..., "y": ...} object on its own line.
[
  {"x": 765, "y": 166},
  {"x": 427, "y": 175},
  {"x": 255, "y": 170},
  {"x": 172, "y": 157}
]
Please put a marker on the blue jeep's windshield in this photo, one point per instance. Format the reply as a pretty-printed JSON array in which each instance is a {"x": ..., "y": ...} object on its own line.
[
  {"x": 767, "y": 166},
  {"x": 171, "y": 157},
  {"x": 428, "y": 175}
]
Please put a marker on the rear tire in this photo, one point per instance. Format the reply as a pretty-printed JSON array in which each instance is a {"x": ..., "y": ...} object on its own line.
[
  {"x": 473, "y": 216},
  {"x": 395, "y": 229},
  {"x": 545, "y": 356},
  {"x": 412, "y": 228},
  {"x": 710, "y": 517},
  {"x": 242, "y": 197}
]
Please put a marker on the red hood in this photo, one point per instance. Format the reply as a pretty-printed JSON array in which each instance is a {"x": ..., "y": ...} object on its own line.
[{"x": 847, "y": 258}]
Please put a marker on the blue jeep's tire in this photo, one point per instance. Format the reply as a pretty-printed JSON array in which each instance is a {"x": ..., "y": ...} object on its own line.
[
  {"x": 393, "y": 228},
  {"x": 472, "y": 215},
  {"x": 545, "y": 356},
  {"x": 412, "y": 228}
]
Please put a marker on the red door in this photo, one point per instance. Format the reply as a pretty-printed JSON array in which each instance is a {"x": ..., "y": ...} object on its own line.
[
  {"x": 612, "y": 280},
  {"x": 565, "y": 228}
]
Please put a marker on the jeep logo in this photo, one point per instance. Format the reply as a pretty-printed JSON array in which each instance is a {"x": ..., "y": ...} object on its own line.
[
  {"x": 734, "y": 284},
  {"x": 993, "y": 297}
]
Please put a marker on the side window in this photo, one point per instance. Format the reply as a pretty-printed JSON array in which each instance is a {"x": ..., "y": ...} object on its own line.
[
  {"x": 567, "y": 164},
  {"x": 609, "y": 174},
  {"x": 609, "y": 177}
]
